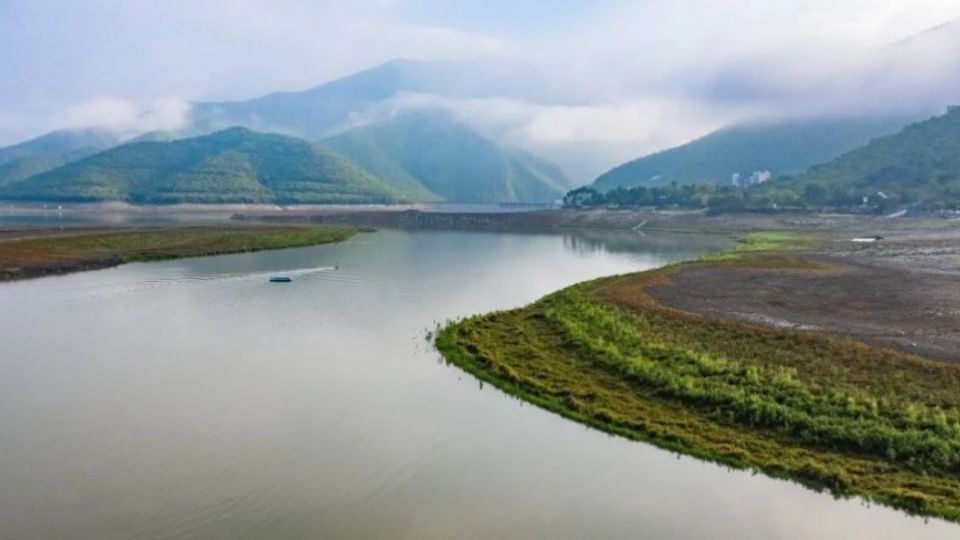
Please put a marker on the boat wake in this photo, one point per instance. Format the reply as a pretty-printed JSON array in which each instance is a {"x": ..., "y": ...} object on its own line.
[
  {"x": 242, "y": 276},
  {"x": 136, "y": 286}
]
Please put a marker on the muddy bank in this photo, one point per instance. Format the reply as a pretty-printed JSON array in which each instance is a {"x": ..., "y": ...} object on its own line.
[
  {"x": 630, "y": 219},
  {"x": 10, "y": 273},
  {"x": 407, "y": 218},
  {"x": 901, "y": 292}
]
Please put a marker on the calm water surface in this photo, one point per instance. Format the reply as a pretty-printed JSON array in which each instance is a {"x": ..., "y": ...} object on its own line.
[{"x": 192, "y": 399}]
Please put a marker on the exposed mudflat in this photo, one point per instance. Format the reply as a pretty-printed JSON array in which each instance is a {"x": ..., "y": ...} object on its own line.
[
  {"x": 902, "y": 291},
  {"x": 641, "y": 219}
]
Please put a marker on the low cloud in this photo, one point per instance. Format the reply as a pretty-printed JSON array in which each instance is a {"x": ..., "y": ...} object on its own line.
[
  {"x": 586, "y": 139},
  {"x": 127, "y": 118},
  {"x": 909, "y": 77},
  {"x": 589, "y": 139}
]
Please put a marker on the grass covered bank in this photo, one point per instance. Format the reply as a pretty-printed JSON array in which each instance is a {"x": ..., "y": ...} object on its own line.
[
  {"x": 76, "y": 251},
  {"x": 829, "y": 412}
]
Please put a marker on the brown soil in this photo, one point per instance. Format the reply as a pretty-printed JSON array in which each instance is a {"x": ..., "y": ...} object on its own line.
[
  {"x": 57, "y": 268},
  {"x": 903, "y": 294}
]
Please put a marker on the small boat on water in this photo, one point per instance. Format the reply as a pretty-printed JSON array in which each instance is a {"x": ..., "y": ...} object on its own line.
[{"x": 281, "y": 279}]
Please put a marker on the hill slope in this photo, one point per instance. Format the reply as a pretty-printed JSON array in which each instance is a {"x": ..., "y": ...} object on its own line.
[
  {"x": 783, "y": 148},
  {"x": 50, "y": 151},
  {"x": 234, "y": 165},
  {"x": 920, "y": 164},
  {"x": 440, "y": 159}
]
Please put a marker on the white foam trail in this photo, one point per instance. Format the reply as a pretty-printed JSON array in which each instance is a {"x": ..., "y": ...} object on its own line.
[
  {"x": 116, "y": 289},
  {"x": 243, "y": 276}
]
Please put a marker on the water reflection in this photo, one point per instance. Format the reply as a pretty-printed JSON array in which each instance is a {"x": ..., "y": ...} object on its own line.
[{"x": 587, "y": 242}]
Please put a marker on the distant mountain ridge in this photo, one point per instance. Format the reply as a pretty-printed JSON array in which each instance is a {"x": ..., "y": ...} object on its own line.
[
  {"x": 781, "y": 148},
  {"x": 234, "y": 165},
  {"x": 50, "y": 151},
  {"x": 431, "y": 154},
  {"x": 317, "y": 112}
]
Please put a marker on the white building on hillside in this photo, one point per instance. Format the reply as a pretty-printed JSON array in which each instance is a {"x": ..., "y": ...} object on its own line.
[{"x": 756, "y": 178}]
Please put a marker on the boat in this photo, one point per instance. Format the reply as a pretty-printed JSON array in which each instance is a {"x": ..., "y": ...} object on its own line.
[{"x": 281, "y": 279}]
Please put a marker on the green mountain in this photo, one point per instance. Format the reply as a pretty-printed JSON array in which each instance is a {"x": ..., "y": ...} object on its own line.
[
  {"x": 440, "y": 159},
  {"x": 781, "y": 148},
  {"x": 234, "y": 165},
  {"x": 50, "y": 151},
  {"x": 920, "y": 164}
]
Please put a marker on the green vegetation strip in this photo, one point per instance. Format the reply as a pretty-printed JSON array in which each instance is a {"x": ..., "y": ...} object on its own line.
[
  {"x": 762, "y": 242},
  {"x": 828, "y": 412},
  {"x": 28, "y": 257}
]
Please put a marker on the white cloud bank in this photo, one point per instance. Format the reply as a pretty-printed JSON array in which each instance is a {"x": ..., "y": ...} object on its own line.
[
  {"x": 125, "y": 117},
  {"x": 585, "y": 138}
]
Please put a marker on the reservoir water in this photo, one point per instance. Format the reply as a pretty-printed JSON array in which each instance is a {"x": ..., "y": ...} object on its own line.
[{"x": 192, "y": 399}]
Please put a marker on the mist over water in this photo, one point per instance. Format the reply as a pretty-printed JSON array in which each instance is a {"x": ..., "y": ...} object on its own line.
[{"x": 193, "y": 399}]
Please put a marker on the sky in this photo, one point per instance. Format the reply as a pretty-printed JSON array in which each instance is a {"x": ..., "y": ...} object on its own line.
[{"x": 649, "y": 73}]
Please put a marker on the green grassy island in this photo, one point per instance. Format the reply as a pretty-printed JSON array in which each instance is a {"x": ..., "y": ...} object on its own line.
[
  {"x": 829, "y": 412},
  {"x": 87, "y": 250}
]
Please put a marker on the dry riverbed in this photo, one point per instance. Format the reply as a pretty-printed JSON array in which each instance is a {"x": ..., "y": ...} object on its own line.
[{"x": 902, "y": 291}]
